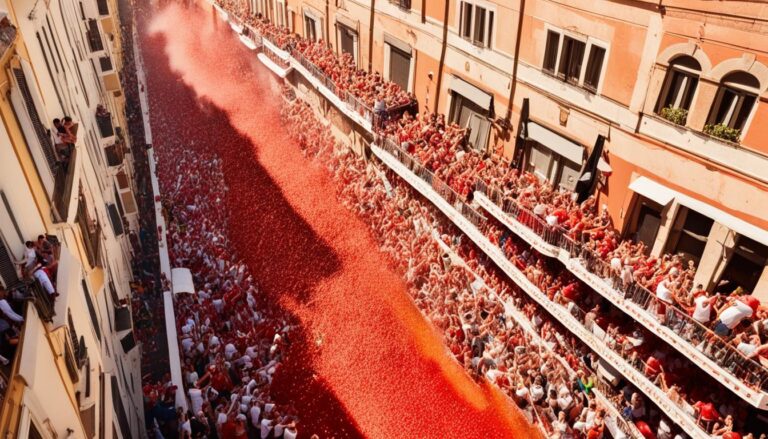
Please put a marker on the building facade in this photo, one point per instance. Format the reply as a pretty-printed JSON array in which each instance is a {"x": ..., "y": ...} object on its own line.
[{"x": 73, "y": 364}]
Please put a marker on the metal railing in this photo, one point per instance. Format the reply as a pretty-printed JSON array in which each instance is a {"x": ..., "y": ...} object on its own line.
[
  {"x": 31, "y": 289},
  {"x": 750, "y": 372},
  {"x": 442, "y": 188},
  {"x": 266, "y": 49}
]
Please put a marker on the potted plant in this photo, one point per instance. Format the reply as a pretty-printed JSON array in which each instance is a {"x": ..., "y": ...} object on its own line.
[
  {"x": 722, "y": 131},
  {"x": 675, "y": 115}
]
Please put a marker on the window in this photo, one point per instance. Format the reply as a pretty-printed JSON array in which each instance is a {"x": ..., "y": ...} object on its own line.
[
  {"x": 280, "y": 19},
  {"x": 548, "y": 165},
  {"x": 404, "y": 4},
  {"x": 468, "y": 114},
  {"x": 399, "y": 66},
  {"x": 34, "y": 433},
  {"x": 310, "y": 28},
  {"x": 692, "y": 238},
  {"x": 476, "y": 24},
  {"x": 734, "y": 101},
  {"x": 292, "y": 21},
  {"x": 102, "y": 5},
  {"x": 746, "y": 265},
  {"x": 115, "y": 218},
  {"x": 94, "y": 36},
  {"x": 648, "y": 223},
  {"x": 571, "y": 57},
  {"x": 348, "y": 41},
  {"x": 574, "y": 60},
  {"x": 8, "y": 275},
  {"x": 550, "y": 53},
  {"x": 679, "y": 84},
  {"x": 594, "y": 67},
  {"x": 91, "y": 310},
  {"x": 125, "y": 193}
]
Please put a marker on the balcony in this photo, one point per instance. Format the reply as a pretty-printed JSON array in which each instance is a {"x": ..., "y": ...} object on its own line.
[
  {"x": 723, "y": 362},
  {"x": 65, "y": 175},
  {"x": 105, "y": 62},
  {"x": 104, "y": 122},
  {"x": 33, "y": 291},
  {"x": 94, "y": 36},
  {"x": 91, "y": 231},
  {"x": 603, "y": 392},
  {"x": 7, "y": 34},
  {"x": 75, "y": 351},
  {"x": 115, "y": 154}
]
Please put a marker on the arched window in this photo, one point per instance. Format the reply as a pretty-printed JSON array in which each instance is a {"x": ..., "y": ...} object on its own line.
[
  {"x": 679, "y": 84},
  {"x": 734, "y": 101}
]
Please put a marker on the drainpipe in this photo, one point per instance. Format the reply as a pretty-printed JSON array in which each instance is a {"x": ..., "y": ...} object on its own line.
[
  {"x": 327, "y": 23},
  {"x": 513, "y": 87},
  {"x": 442, "y": 57},
  {"x": 423, "y": 11},
  {"x": 370, "y": 36}
]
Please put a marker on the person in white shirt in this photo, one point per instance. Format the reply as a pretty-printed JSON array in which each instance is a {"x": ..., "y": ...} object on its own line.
[
  {"x": 266, "y": 426},
  {"x": 255, "y": 413},
  {"x": 731, "y": 316},
  {"x": 290, "y": 431},
  {"x": 42, "y": 276},
  {"x": 229, "y": 351},
  {"x": 6, "y": 309},
  {"x": 29, "y": 260},
  {"x": 196, "y": 398},
  {"x": 702, "y": 309}
]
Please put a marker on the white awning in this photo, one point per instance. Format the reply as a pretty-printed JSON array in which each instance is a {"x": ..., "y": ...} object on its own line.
[
  {"x": 469, "y": 91},
  {"x": 726, "y": 219},
  {"x": 652, "y": 190},
  {"x": 557, "y": 143},
  {"x": 182, "y": 281}
]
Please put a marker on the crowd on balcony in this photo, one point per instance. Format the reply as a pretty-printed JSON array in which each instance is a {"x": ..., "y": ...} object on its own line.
[
  {"x": 64, "y": 138},
  {"x": 370, "y": 88},
  {"x": 36, "y": 269}
]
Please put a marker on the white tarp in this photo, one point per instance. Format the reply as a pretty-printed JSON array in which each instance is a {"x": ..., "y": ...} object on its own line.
[
  {"x": 652, "y": 190},
  {"x": 174, "y": 359},
  {"x": 557, "y": 143},
  {"x": 181, "y": 278},
  {"x": 726, "y": 219},
  {"x": 469, "y": 91}
]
